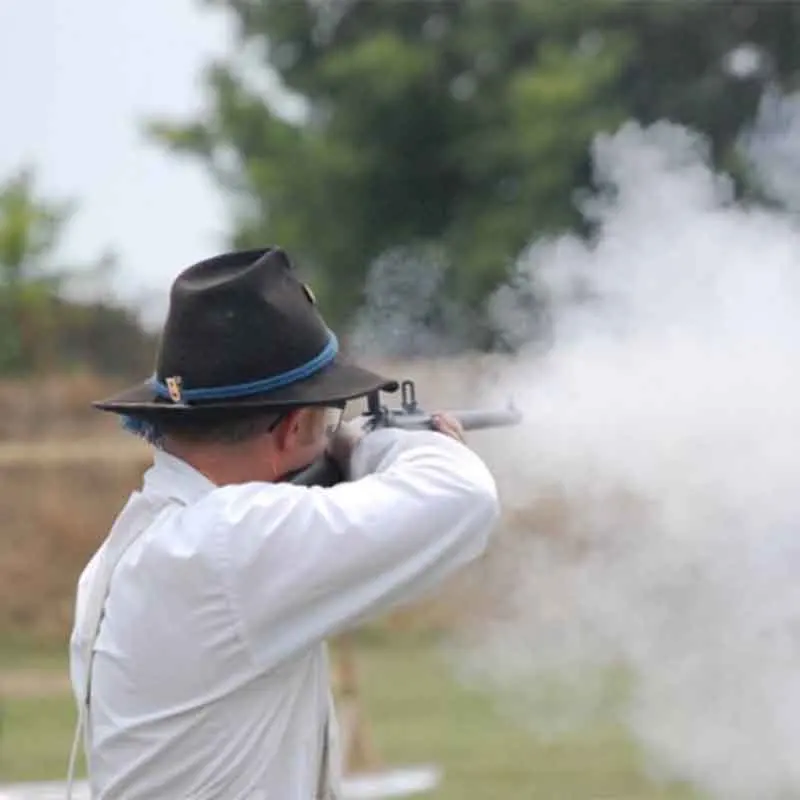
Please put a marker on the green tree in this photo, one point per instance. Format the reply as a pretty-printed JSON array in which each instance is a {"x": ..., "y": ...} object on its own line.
[
  {"x": 457, "y": 127},
  {"x": 29, "y": 231},
  {"x": 40, "y": 328},
  {"x": 454, "y": 125}
]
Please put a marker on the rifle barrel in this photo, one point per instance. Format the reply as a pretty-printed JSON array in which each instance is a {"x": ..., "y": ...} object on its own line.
[
  {"x": 472, "y": 420},
  {"x": 479, "y": 419},
  {"x": 325, "y": 471}
]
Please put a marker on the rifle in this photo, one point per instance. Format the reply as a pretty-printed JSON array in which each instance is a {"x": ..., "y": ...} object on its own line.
[{"x": 326, "y": 472}]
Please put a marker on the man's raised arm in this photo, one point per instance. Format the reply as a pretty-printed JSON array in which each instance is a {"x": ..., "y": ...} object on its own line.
[{"x": 419, "y": 506}]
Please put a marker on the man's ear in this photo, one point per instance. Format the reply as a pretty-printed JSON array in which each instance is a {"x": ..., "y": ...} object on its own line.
[{"x": 286, "y": 430}]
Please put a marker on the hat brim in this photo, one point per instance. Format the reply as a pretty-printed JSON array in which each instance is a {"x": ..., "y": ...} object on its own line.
[{"x": 335, "y": 384}]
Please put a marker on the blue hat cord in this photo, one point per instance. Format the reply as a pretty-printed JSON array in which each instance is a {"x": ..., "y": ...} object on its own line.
[{"x": 148, "y": 430}]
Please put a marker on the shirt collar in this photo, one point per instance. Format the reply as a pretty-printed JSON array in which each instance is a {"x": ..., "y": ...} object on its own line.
[{"x": 172, "y": 477}]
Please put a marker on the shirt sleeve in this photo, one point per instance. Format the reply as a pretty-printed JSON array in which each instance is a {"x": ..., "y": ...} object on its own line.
[{"x": 303, "y": 563}]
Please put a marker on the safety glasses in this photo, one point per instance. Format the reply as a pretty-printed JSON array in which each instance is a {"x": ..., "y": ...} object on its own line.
[{"x": 333, "y": 419}]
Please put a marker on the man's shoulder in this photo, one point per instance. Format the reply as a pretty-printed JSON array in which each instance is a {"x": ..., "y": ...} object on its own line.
[
  {"x": 203, "y": 526},
  {"x": 231, "y": 504}
]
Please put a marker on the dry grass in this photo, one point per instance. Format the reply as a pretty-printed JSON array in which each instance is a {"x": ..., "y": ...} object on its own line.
[
  {"x": 65, "y": 470},
  {"x": 54, "y": 516},
  {"x": 54, "y": 407},
  {"x": 72, "y": 454},
  {"x": 56, "y": 511}
]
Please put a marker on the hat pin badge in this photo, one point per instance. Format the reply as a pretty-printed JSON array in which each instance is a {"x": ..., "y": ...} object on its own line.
[
  {"x": 175, "y": 388},
  {"x": 309, "y": 294}
]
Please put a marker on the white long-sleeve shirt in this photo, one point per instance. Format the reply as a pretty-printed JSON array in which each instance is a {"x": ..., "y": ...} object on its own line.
[{"x": 210, "y": 678}]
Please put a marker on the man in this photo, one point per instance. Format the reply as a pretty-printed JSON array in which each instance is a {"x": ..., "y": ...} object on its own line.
[{"x": 198, "y": 657}]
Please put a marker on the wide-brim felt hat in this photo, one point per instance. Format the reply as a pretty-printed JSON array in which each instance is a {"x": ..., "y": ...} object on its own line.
[{"x": 244, "y": 331}]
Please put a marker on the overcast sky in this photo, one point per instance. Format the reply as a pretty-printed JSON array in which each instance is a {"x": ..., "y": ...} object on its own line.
[{"x": 77, "y": 77}]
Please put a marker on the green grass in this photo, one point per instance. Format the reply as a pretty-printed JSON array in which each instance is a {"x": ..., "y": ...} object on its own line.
[
  {"x": 419, "y": 715},
  {"x": 20, "y": 653},
  {"x": 36, "y": 738}
]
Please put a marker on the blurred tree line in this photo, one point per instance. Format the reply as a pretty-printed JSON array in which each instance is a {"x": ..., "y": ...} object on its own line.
[
  {"x": 41, "y": 328},
  {"x": 457, "y": 129},
  {"x": 443, "y": 132}
]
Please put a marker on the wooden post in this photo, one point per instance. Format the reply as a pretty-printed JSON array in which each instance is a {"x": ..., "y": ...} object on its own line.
[{"x": 359, "y": 751}]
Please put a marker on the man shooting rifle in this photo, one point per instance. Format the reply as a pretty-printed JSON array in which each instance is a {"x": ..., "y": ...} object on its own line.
[{"x": 198, "y": 653}]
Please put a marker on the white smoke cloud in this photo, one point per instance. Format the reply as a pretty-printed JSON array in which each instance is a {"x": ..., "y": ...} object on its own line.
[
  {"x": 772, "y": 147},
  {"x": 406, "y": 312},
  {"x": 666, "y": 417}
]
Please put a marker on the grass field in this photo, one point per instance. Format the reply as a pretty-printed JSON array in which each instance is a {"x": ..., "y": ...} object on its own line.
[
  {"x": 418, "y": 714},
  {"x": 65, "y": 472}
]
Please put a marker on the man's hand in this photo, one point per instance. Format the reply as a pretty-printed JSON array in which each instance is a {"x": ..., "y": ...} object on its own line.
[
  {"x": 449, "y": 426},
  {"x": 344, "y": 441}
]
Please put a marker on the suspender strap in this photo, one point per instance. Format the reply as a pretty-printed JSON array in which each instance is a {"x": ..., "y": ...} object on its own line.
[
  {"x": 323, "y": 780},
  {"x": 135, "y": 518}
]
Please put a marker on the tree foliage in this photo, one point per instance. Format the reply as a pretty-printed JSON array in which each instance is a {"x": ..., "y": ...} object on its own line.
[
  {"x": 458, "y": 126},
  {"x": 29, "y": 230},
  {"x": 40, "y": 329}
]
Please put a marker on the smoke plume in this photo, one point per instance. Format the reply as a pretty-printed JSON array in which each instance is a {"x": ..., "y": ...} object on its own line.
[
  {"x": 406, "y": 313},
  {"x": 664, "y": 422}
]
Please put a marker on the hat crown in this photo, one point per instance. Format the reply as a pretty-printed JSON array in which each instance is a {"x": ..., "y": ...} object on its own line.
[{"x": 238, "y": 318}]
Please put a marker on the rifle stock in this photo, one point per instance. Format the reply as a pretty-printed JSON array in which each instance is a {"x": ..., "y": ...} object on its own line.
[{"x": 323, "y": 472}]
